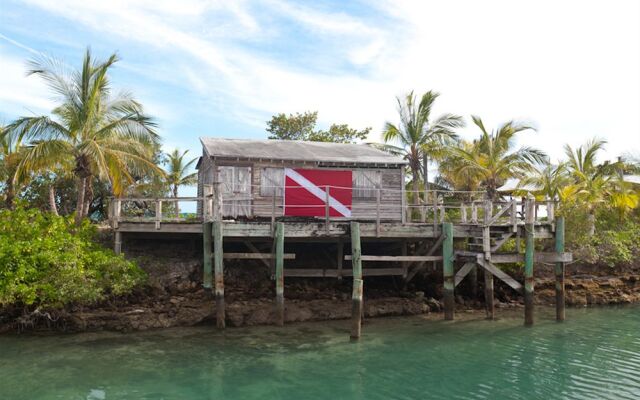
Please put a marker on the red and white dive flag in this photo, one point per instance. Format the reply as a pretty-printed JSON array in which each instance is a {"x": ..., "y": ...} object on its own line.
[{"x": 305, "y": 195}]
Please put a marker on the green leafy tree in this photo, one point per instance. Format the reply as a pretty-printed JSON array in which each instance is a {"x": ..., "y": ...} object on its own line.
[
  {"x": 102, "y": 136},
  {"x": 417, "y": 137},
  {"x": 47, "y": 261},
  {"x": 492, "y": 158},
  {"x": 303, "y": 127},
  {"x": 178, "y": 173}
]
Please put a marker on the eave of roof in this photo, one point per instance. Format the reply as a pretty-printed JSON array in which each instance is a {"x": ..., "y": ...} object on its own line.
[{"x": 289, "y": 150}]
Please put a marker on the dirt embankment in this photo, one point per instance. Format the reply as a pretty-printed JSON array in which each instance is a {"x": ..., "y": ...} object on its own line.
[{"x": 174, "y": 297}]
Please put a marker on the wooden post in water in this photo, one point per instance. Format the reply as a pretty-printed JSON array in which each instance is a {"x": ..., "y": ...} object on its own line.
[
  {"x": 279, "y": 273},
  {"x": 447, "y": 270},
  {"x": 560, "y": 270},
  {"x": 207, "y": 228},
  {"x": 528, "y": 261},
  {"x": 356, "y": 262},
  {"x": 218, "y": 272},
  {"x": 488, "y": 294}
]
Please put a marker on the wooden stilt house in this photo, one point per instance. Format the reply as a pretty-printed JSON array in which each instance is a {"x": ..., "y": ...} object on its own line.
[{"x": 256, "y": 176}]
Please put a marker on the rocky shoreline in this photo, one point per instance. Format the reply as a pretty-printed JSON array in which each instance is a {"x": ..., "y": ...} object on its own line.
[{"x": 174, "y": 297}]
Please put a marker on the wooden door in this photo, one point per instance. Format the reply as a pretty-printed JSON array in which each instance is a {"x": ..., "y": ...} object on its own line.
[{"x": 236, "y": 190}]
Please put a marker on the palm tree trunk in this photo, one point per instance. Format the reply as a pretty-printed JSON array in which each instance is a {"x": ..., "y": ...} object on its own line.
[
  {"x": 10, "y": 194},
  {"x": 175, "y": 196},
  {"x": 591, "y": 224},
  {"x": 88, "y": 196},
  {"x": 416, "y": 187},
  {"x": 52, "y": 200},
  {"x": 80, "y": 200}
]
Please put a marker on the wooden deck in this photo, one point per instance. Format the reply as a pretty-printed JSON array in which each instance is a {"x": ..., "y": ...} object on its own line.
[{"x": 461, "y": 237}]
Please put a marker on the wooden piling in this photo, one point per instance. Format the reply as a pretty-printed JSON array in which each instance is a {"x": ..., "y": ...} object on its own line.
[
  {"x": 117, "y": 242},
  {"x": 279, "y": 238},
  {"x": 206, "y": 245},
  {"x": 560, "y": 270},
  {"x": 340, "y": 258},
  {"x": 447, "y": 270},
  {"x": 528, "y": 261},
  {"x": 356, "y": 262},
  {"x": 488, "y": 294},
  {"x": 218, "y": 272}
]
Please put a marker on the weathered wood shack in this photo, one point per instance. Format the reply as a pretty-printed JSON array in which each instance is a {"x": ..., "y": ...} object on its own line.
[{"x": 251, "y": 174}]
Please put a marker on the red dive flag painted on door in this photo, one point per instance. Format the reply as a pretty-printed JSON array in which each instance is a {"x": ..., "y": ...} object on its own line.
[{"x": 305, "y": 196}]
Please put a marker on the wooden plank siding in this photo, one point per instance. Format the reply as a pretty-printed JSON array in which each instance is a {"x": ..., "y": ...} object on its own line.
[{"x": 362, "y": 208}]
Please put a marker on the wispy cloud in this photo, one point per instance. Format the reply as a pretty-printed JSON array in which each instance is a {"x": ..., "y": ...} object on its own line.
[{"x": 500, "y": 59}]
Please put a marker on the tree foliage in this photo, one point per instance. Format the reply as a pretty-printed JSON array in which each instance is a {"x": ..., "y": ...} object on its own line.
[
  {"x": 303, "y": 127},
  {"x": 418, "y": 136},
  {"x": 92, "y": 133},
  {"x": 46, "y": 261},
  {"x": 493, "y": 159}
]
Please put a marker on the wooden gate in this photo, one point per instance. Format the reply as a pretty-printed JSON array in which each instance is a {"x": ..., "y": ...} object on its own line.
[{"x": 236, "y": 191}]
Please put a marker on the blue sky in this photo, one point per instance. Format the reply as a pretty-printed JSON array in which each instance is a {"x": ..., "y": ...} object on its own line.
[{"x": 222, "y": 68}]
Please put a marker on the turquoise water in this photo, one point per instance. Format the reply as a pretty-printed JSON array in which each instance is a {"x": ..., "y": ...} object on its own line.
[{"x": 595, "y": 354}]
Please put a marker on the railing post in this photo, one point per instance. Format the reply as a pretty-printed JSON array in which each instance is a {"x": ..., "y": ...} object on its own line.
[
  {"x": 158, "y": 213},
  {"x": 435, "y": 214},
  {"x": 447, "y": 270},
  {"x": 116, "y": 213},
  {"x": 559, "y": 270},
  {"x": 207, "y": 202},
  {"x": 514, "y": 215},
  {"x": 551, "y": 215},
  {"x": 273, "y": 212},
  {"x": 486, "y": 229},
  {"x": 217, "y": 207},
  {"x": 474, "y": 212},
  {"x": 463, "y": 213},
  {"x": 327, "y": 196},
  {"x": 403, "y": 200},
  {"x": 528, "y": 261},
  {"x": 378, "y": 212},
  {"x": 356, "y": 262}
]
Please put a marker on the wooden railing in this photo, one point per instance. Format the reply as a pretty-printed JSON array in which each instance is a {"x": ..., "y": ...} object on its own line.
[{"x": 439, "y": 206}]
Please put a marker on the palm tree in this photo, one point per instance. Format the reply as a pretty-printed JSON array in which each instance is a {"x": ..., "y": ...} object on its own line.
[
  {"x": 103, "y": 136},
  {"x": 596, "y": 184},
  {"x": 449, "y": 175},
  {"x": 492, "y": 158},
  {"x": 417, "y": 137},
  {"x": 546, "y": 181},
  {"x": 11, "y": 151},
  {"x": 177, "y": 173}
]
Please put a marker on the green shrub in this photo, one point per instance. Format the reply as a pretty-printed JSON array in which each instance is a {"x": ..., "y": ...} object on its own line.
[
  {"x": 45, "y": 260},
  {"x": 615, "y": 242}
]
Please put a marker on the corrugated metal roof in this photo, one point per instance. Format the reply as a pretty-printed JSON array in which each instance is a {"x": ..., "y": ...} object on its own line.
[{"x": 295, "y": 150}]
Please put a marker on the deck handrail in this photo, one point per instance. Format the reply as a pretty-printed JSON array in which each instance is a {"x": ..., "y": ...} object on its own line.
[{"x": 432, "y": 206}]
